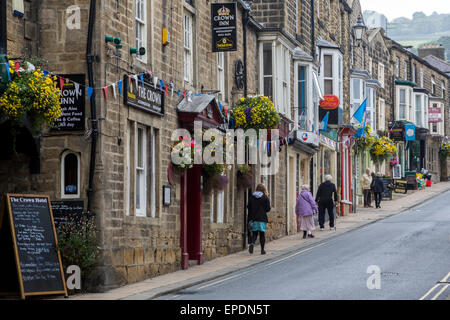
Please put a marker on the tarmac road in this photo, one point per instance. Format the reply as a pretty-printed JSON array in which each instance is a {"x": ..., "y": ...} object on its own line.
[{"x": 408, "y": 253}]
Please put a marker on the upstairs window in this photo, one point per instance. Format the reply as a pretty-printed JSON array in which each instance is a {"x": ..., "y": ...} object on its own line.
[
  {"x": 397, "y": 67},
  {"x": 405, "y": 70},
  {"x": 188, "y": 48},
  {"x": 302, "y": 97},
  {"x": 381, "y": 74},
  {"x": 433, "y": 86},
  {"x": 70, "y": 175},
  {"x": 402, "y": 104},
  {"x": 141, "y": 27},
  {"x": 443, "y": 89},
  {"x": 421, "y": 78},
  {"x": 328, "y": 74},
  {"x": 268, "y": 70}
]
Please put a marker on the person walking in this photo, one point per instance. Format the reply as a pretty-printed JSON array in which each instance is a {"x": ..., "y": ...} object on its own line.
[
  {"x": 377, "y": 187},
  {"x": 305, "y": 209},
  {"x": 366, "y": 181},
  {"x": 324, "y": 198},
  {"x": 258, "y": 206}
]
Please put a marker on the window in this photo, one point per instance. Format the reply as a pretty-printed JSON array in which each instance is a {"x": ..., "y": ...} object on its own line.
[
  {"x": 371, "y": 110},
  {"x": 433, "y": 86},
  {"x": 285, "y": 101},
  {"x": 443, "y": 89},
  {"x": 141, "y": 171},
  {"x": 70, "y": 175},
  {"x": 397, "y": 67},
  {"x": 405, "y": 70},
  {"x": 328, "y": 74},
  {"x": 381, "y": 74},
  {"x": 413, "y": 73},
  {"x": 370, "y": 66},
  {"x": 302, "y": 97},
  {"x": 297, "y": 16},
  {"x": 381, "y": 114},
  {"x": 318, "y": 2},
  {"x": 357, "y": 96},
  {"x": 141, "y": 28},
  {"x": 402, "y": 105},
  {"x": 268, "y": 70},
  {"x": 218, "y": 206},
  {"x": 221, "y": 75},
  {"x": 418, "y": 102},
  {"x": 421, "y": 78},
  {"x": 188, "y": 48}
]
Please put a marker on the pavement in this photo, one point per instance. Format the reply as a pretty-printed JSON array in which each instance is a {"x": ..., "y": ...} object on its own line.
[{"x": 210, "y": 270}]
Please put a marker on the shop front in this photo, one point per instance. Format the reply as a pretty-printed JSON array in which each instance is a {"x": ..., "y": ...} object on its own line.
[{"x": 347, "y": 170}]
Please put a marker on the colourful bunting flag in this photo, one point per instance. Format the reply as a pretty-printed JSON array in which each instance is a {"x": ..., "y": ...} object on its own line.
[
  {"x": 142, "y": 79},
  {"x": 119, "y": 84},
  {"x": 90, "y": 92},
  {"x": 114, "y": 90},
  {"x": 105, "y": 90},
  {"x": 61, "y": 83}
]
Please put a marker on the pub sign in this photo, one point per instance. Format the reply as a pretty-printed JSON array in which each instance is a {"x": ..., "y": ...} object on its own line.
[
  {"x": 224, "y": 31},
  {"x": 144, "y": 96}
]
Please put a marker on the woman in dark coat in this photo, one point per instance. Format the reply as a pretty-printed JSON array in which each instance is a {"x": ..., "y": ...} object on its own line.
[
  {"x": 377, "y": 187},
  {"x": 258, "y": 206}
]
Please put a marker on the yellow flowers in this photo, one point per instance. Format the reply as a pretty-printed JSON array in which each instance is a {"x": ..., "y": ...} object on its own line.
[
  {"x": 33, "y": 95},
  {"x": 255, "y": 112},
  {"x": 382, "y": 149}
]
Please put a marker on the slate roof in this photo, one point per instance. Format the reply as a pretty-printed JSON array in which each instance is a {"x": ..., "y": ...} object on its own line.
[
  {"x": 326, "y": 44},
  {"x": 197, "y": 104},
  {"x": 442, "y": 65}
]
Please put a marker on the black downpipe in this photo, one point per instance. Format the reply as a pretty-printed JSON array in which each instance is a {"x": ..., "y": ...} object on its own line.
[
  {"x": 3, "y": 33},
  {"x": 245, "y": 19},
  {"x": 94, "y": 121}
]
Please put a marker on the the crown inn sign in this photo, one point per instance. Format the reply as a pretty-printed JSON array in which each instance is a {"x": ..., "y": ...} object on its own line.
[
  {"x": 223, "y": 20},
  {"x": 144, "y": 96}
]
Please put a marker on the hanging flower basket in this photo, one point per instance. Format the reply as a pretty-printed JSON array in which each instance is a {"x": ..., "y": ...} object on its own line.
[
  {"x": 30, "y": 95},
  {"x": 383, "y": 149},
  {"x": 366, "y": 141},
  {"x": 444, "y": 151},
  {"x": 245, "y": 177},
  {"x": 182, "y": 154},
  {"x": 255, "y": 113}
]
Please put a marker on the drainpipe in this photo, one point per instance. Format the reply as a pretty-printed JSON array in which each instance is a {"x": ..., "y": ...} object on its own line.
[
  {"x": 94, "y": 121},
  {"x": 313, "y": 31},
  {"x": 3, "y": 31}
]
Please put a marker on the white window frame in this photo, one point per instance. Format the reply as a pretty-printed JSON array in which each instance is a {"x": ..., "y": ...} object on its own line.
[
  {"x": 443, "y": 90},
  {"x": 370, "y": 66},
  {"x": 355, "y": 102},
  {"x": 337, "y": 73},
  {"x": 309, "y": 117},
  {"x": 421, "y": 78},
  {"x": 221, "y": 75},
  {"x": 381, "y": 70},
  {"x": 381, "y": 114},
  {"x": 188, "y": 30},
  {"x": 63, "y": 182},
  {"x": 371, "y": 95},
  {"x": 142, "y": 211},
  {"x": 407, "y": 104},
  {"x": 405, "y": 70},
  {"x": 397, "y": 67},
  {"x": 141, "y": 5},
  {"x": 413, "y": 72},
  {"x": 433, "y": 86}
]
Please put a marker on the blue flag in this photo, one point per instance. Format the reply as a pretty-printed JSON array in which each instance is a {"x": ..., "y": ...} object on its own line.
[
  {"x": 7, "y": 70},
  {"x": 90, "y": 91},
  {"x": 119, "y": 84},
  {"x": 142, "y": 78},
  {"x": 359, "y": 114},
  {"x": 324, "y": 123}
]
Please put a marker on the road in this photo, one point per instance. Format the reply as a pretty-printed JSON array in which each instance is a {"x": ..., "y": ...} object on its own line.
[{"x": 410, "y": 252}]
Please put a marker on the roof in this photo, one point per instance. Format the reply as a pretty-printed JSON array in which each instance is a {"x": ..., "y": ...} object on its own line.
[
  {"x": 440, "y": 64},
  {"x": 326, "y": 44},
  {"x": 301, "y": 55},
  {"x": 196, "y": 103}
]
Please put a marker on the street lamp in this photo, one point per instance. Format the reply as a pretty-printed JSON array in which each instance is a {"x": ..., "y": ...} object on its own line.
[{"x": 358, "y": 29}]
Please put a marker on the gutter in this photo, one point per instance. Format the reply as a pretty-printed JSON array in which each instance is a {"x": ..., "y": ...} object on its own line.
[{"x": 94, "y": 121}]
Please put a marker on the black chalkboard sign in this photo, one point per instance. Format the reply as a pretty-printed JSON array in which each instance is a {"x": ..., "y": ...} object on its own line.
[
  {"x": 29, "y": 223},
  {"x": 401, "y": 186},
  {"x": 66, "y": 210},
  {"x": 387, "y": 189}
]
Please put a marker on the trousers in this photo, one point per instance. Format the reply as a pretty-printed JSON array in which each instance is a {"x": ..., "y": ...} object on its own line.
[
  {"x": 377, "y": 199},
  {"x": 262, "y": 238},
  {"x": 330, "y": 209},
  {"x": 367, "y": 197}
]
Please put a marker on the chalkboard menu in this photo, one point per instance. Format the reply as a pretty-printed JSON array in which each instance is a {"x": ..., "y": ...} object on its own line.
[
  {"x": 73, "y": 99},
  {"x": 37, "y": 261},
  {"x": 387, "y": 189},
  {"x": 65, "y": 210},
  {"x": 401, "y": 186}
]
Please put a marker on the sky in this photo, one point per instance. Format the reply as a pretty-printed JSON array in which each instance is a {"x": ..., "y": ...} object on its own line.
[{"x": 393, "y": 9}]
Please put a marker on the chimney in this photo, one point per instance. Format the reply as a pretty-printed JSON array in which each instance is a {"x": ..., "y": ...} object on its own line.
[{"x": 436, "y": 50}]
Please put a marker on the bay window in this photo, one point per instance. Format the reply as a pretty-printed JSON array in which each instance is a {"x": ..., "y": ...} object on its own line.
[
  {"x": 381, "y": 114},
  {"x": 331, "y": 73},
  {"x": 404, "y": 103},
  {"x": 302, "y": 96},
  {"x": 357, "y": 96},
  {"x": 371, "y": 108}
]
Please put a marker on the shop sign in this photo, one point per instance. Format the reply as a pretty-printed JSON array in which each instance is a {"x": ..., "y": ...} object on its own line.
[
  {"x": 224, "y": 31},
  {"x": 329, "y": 102},
  {"x": 308, "y": 137},
  {"x": 328, "y": 142},
  {"x": 397, "y": 134},
  {"x": 434, "y": 115},
  {"x": 145, "y": 97},
  {"x": 72, "y": 104},
  {"x": 410, "y": 132}
]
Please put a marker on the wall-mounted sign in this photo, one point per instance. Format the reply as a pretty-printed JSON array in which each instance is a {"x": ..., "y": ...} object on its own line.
[
  {"x": 72, "y": 104},
  {"x": 144, "y": 96},
  {"x": 397, "y": 134},
  {"x": 434, "y": 115},
  {"x": 166, "y": 195},
  {"x": 308, "y": 137},
  {"x": 330, "y": 102},
  {"x": 410, "y": 132},
  {"x": 224, "y": 32}
]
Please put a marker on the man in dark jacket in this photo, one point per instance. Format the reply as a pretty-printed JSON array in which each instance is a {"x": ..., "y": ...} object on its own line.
[
  {"x": 324, "y": 197},
  {"x": 258, "y": 206},
  {"x": 377, "y": 187}
]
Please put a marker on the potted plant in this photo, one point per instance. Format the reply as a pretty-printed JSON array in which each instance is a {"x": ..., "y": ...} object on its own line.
[{"x": 444, "y": 151}]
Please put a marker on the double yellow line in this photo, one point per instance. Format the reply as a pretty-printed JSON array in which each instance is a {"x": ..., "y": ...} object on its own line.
[{"x": 437, "y": 285}]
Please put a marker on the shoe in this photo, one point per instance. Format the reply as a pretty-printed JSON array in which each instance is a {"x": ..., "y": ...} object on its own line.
[
  {"x": 304, "y": 234},
  {"x": 263, "y": 252},
  {"x": 311, "y": 236},
  {"x": 322, "y": 228},
  {"x": 332, "y": 228},
  {"x": 250, "y": 249}
]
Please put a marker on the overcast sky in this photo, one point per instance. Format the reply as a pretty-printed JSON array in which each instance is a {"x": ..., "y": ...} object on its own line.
[{"x": 405, "y": 8}]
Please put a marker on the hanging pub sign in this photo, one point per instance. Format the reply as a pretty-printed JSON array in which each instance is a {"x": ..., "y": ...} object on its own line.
[
  {"x": 143, "y": 95},
  {"x": 434, "y": 115},
  {"x": 72, "y": 103},
  {"x": 224, "y": 31},
  {"x": 398, "y": 134},
  {"x": 330, "y": 104}
]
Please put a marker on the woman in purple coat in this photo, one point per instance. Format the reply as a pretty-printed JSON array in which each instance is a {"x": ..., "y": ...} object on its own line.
[{"x": 305, "y": 209}]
